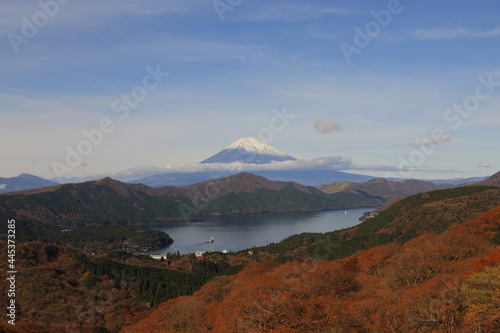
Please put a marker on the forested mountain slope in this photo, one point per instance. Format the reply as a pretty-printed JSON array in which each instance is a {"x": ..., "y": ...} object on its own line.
[
  {"x": 446, "y": 282},
  {"x": 430, "y": 263},
  {"x": 108, "y": 201}
]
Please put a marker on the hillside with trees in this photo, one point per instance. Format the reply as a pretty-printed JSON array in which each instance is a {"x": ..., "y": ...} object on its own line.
[
  {"x": 384, "y": 188},
  {"x": 97, "y": 238},
  {"x": 61, "y": 289},
  {"x": 408, "y": 218},
  {"x": 95, "y": 202},
  {"x": 437, "y": 282},
  {"x": 429, "y": 263},
  {"x": 108, "y": 201},
  {"x": 491, "y": 181}
]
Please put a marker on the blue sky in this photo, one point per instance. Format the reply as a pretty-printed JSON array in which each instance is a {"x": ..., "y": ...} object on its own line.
[{"x": 416, "y": 94}]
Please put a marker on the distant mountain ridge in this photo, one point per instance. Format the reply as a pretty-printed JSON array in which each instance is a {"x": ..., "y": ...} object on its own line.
[
  {"x": 250, "y": 151},
  {"x": 243, "y": 182},
  {"x": 108, "y": 201},
  {"x": 457, "y": 181},
  {"x": 383, "y": 188},
  {"x": 23, "y": 182},
  {"x": 492, "y": 181},
  {"x": 304, "y": 177}
]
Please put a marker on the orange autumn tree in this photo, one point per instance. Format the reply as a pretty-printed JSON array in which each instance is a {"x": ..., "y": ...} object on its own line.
[
  {"x": 445, "y": 282},
  {"x": 482, "y": 299}
]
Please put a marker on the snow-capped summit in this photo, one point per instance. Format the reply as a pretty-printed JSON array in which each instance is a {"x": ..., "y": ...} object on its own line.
[
  {"x": 249, "y": 150},
  {"x": 254, "y": 145}
]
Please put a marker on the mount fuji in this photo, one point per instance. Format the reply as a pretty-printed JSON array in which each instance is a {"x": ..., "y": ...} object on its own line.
[{"x": 250, "y": 151}]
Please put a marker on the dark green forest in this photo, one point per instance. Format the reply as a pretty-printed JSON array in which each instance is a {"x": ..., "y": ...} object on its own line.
[
  {"x": 96, "y": 238},
  {"x": 154, "y": 285}
]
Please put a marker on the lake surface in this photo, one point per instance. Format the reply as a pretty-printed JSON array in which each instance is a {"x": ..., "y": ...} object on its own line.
[{"x": 239, "y": 232}]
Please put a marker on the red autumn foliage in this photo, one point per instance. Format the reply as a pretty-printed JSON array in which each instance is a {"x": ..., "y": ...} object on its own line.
[{"x": 420, "y": 286}]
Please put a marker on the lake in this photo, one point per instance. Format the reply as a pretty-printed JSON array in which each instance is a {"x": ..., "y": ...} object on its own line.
[{"x": 239, "y": 232}]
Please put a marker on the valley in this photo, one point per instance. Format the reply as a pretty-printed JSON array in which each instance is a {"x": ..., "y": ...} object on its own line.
[{"x": 436, "y": 244}]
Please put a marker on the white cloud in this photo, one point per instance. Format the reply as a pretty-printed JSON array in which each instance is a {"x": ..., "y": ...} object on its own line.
[
  {"x": 3, "y": 186},
  {"x": 327, "y": 126},
  {"x": 484, "y": 165},
  {"x": 329, "y": 162},
  {"x": 456, "y": 33},
  {"x": 321, "y": 163},
  {"x": 432, "y": 140}
]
